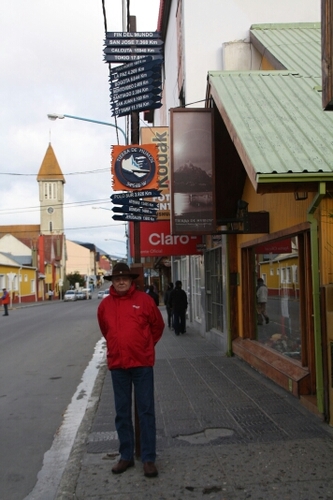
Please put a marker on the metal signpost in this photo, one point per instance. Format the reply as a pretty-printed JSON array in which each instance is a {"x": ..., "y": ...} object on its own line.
[{"x": 136, "y": 85}]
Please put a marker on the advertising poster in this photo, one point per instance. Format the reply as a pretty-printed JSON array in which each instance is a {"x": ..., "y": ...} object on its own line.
[
  {"x": 160, "y": 137},
  {"x": 156, "y": 240},
  {"x": 192, "y": 172}
]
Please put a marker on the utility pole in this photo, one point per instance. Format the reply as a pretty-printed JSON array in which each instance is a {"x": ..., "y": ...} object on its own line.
[
  {"x": 137, "y": 253},
  {"x": 135, "y": 140}
]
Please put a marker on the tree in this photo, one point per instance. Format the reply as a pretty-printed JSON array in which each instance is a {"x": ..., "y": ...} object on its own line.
[{"x": 75, "y": 277}]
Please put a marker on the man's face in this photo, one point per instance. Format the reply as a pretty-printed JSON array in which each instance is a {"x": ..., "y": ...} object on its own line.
[{"x": 122, "y": 284}]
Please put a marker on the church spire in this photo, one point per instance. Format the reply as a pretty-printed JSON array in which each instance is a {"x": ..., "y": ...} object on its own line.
[{"x": 50, "y": 169}]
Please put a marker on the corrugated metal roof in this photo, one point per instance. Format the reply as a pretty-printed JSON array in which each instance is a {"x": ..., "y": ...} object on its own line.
[
  {"x": 295, "y": 46},
  {"x": 277, "y": 123}
]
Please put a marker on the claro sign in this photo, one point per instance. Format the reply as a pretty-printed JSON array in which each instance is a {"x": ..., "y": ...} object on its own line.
[{"x": 156, "y": 241}]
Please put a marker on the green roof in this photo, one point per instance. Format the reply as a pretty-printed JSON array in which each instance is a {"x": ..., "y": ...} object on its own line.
[
  {"x": 275, "y": 118},
  {"x": 290, "y": 46}
]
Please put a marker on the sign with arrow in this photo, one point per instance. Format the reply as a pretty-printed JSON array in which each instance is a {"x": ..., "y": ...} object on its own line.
[
  {"x": 124, "y": 72},
  {"x": 135, "y": 78},
  {"x": 133, "y": 217},
  {"x": 135, "y": 100},
  {"x": 136, "y": 203},
  {"x": 110, "y": 58},
  {"x": 132, "y": 195},
  {"x": 135, "y": 85},
  {"x": 131, "y": 93},
  {"x": 132, "y": 34},
  {"x": 138, "y": 42},
  {"x": 132, "y": 50},
  {"x": 134, "y": 210},
  {"x": 143, "y": 106}
]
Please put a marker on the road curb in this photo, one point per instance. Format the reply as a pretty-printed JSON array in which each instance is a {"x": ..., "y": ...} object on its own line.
[{"x": 67, "y": 486}]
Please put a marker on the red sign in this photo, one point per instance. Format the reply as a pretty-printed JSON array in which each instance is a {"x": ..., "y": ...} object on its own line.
[
  {"x": 281, "y": 246},
  {"x": 156, "y": 241}
]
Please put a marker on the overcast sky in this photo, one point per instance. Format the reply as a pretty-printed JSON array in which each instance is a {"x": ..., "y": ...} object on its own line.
[{"x": 51, "y": 61}]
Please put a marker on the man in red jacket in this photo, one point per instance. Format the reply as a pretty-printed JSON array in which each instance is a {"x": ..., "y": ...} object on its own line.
[{"x": 132, "y": 325}]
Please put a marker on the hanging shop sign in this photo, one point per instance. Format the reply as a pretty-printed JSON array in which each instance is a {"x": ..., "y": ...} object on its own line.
[
  {"x": 160, "y": 137},
  {"x": 134, "y": 167},
  {"x": 192, "y": 171},
  {"x": 156, "y": 240}
]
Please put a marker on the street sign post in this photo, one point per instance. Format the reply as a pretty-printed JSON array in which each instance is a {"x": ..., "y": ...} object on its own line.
[
  {"x": 136, "y": 203},
  {"x": 132, "y": 34},
  {"x": 137, "y": 107},
  {"x": 128, "y": 195},
  {"x": 134, "y": 210},
  {"x": 135, "y": 218}
]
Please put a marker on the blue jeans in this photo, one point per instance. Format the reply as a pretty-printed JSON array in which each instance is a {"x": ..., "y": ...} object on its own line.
[{"x": 142, "y": 378}]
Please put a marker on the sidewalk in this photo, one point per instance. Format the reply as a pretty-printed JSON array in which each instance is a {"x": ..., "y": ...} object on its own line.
[{"x": 223, "y": 432}]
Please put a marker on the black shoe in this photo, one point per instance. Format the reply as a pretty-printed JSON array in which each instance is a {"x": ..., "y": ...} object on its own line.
[{"x": 267, "y": 321}]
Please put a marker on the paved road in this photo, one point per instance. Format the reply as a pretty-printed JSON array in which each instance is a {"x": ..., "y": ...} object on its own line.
[{"x": 44, "y": 352}]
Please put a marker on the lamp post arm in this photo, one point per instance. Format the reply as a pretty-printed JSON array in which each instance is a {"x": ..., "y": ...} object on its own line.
[{"x": 99, "y": 123}]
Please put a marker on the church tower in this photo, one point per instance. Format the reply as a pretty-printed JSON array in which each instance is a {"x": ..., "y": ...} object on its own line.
[{"x": 51, "y": 194}]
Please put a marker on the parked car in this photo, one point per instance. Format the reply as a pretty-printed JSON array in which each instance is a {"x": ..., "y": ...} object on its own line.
[
  {"x": 100, "y": 294},
  {"x": 70, "y": 296},
  {"x": 106, "y": 293},
  {"x": 80, "y": 295},
  {"x": 87, "y": 293}
]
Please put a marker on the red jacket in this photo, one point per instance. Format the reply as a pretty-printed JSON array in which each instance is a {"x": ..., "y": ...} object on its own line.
[
  {"x": 131, "y": 324},
  {"x": 5, "y": 298}
]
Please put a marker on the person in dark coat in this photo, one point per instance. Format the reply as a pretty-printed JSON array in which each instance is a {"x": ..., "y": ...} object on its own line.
[
  {"x": 154, "y": 295},
  {"x": 167, "y": 305},
  {"x": 178, "y": 303}
]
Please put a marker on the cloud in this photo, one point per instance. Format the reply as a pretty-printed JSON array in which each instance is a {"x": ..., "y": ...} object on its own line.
[{"x": 52, "y": 61}]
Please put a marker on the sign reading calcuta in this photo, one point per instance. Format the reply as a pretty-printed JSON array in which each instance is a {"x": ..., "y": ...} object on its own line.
[{"x": 134, "y": 167}]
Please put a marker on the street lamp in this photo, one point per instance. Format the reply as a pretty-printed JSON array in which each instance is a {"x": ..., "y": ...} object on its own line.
[{"x": 54, "y": 116}]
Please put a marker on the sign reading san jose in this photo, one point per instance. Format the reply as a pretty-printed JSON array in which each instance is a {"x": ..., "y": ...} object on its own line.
[{"x": 134, "y": 167}]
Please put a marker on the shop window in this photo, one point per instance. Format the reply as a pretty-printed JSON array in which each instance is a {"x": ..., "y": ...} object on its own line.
[
  {"x": 214, "y": 301},
  {"x": 278, "y": 320},
  {"x": 196, "y": 288}
]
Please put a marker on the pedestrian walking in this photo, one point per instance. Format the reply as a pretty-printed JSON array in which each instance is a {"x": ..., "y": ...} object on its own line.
[
  {"x": 262, "y": 296},
  {"x": 167, "y": 305},
  {"x": 132, "y": 325},
  {"x": 5, "y": 301},
  {"x": 153, "y": 295},
  {"x": 178, "y": 303}
]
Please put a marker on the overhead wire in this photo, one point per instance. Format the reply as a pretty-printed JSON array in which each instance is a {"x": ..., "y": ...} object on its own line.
[
  {"x": 73, "y": 204},
  {"x": 83, "y": 172}
]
